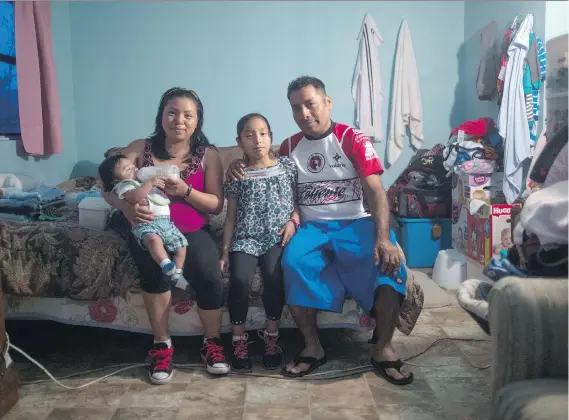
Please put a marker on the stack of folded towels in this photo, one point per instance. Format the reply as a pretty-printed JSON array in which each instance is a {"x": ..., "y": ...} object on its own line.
[{"x": 21, "y": 202}]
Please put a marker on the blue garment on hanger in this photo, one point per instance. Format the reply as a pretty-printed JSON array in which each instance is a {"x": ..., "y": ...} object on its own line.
[{"x": 531, "y": 90}]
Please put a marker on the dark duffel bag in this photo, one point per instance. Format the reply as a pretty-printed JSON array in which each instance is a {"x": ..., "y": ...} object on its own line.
[{"x": 409, "y": 201}]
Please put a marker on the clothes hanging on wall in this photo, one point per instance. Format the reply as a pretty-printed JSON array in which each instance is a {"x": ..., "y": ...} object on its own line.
[
  {"x": 513, "y": 122},
  {"x": 366, "y": 83},
  {"x": 536, "y": 60},
  {"x": 489, "y": 64},
  {"x": 508, "y": 36},
  {"x": 534, "y": 77},
  {"x": 406, "y": 109}
]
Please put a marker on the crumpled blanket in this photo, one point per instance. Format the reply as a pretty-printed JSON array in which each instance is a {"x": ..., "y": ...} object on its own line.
[{"x": 473, "y": 296}]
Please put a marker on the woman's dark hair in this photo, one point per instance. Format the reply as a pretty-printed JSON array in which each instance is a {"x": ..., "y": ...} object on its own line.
[
  {"x": 107, "y": 171},
  {"x": 158, "y": 138},
  {"x": 241, "y": 126}
]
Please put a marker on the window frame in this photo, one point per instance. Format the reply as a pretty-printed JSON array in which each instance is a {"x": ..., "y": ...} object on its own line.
[{"x": 9, "y": 60}]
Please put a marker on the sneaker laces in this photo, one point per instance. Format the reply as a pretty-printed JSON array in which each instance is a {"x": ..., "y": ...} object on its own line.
[
  {"x": 161, "y": 358},
  {"x": 271, "y": 346},
  {"x": 213, "y": 351},
  {"x": 240, "y": 347}
]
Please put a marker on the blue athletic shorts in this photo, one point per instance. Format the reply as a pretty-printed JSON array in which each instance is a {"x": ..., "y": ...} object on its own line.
[{"x": 327, "y": 261}]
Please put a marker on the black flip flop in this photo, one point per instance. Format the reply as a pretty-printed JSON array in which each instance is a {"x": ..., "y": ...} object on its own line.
[
  {"x": 373, "y": 339},
  {"x": 313, "y": 363},
  {"x": 387, "y": 364}
]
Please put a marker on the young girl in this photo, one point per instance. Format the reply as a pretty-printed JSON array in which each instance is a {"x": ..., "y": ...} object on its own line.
[
  {"x": 160, "y": 236},
  {"x": 261, "y": 219}
]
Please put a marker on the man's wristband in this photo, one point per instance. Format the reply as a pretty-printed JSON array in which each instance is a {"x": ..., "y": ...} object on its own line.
[{"x": 295, "y": 222}]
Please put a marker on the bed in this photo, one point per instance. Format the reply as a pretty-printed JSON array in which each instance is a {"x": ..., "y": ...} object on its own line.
[{"x": 63, "y": 272}]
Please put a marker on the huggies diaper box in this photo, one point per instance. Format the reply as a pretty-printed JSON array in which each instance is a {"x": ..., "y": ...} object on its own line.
[{"x": 480, "y": 215}]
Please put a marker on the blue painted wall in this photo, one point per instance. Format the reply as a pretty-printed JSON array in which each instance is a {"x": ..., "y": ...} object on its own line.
[
  {"x": 114, "y": 59},
  {"x": 57, "y": 167},
  {"x": 478, "y": 14},
  {"x": 240, "y": 56}
]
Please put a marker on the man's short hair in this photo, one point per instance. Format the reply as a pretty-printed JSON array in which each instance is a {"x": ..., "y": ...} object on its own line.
[{"x": 304, "y": 81}]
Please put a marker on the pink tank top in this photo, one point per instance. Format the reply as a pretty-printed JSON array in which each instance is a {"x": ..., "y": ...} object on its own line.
[{"x": 185, "y": 217}]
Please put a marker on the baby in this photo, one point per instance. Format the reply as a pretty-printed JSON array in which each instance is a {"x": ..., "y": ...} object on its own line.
[
  {"x": 119, "y": 176},
  {"x": 505, "y": 242}
]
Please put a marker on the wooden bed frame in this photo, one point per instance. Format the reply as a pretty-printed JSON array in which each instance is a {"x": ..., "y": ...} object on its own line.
[{"x": 9, "y": 378}]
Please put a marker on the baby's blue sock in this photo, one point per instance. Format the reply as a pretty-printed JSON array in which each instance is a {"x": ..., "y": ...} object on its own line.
[{"x": 167, "y": 266}]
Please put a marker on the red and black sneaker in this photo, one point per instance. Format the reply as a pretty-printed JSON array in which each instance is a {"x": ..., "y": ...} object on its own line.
[
  {"x": 273, "y": 357},
  {"x": 212, "y": 355},
  {"x": 160, "y": 370},
  {"x": 241, "y": 359}
]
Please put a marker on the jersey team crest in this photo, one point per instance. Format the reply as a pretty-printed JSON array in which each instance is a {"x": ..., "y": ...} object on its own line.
[{"x": 315, "y": 162}]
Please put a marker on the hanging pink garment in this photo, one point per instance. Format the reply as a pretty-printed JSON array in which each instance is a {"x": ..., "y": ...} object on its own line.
[{"x": 40, "y": 121}]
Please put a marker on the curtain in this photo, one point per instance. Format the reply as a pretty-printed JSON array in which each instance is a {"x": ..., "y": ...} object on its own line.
[{"x": 40, "y": 121}]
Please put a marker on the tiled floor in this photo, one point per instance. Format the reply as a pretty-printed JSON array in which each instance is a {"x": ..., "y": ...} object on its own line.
[{"x": 446, "y": 387}]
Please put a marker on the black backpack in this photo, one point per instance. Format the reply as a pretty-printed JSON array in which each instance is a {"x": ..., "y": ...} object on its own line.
[{"x": 422, "y": 190}]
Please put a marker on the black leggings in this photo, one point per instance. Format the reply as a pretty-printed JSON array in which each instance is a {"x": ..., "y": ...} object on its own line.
[
  {"x": 201, "y": 267},
  {"x": 242, "y": 267}
]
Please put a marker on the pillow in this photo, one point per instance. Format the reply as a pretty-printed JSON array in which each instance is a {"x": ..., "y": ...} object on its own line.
[
  {"x": 216, "y": 221},
  {"x": 79, "y": 184}
]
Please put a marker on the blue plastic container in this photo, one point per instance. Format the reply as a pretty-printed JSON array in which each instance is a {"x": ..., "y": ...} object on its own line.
[{"x": 415, "y": 236}]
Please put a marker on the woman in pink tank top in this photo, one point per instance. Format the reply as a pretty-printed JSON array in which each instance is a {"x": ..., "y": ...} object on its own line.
[
  {"x": 178, "y": 140},
  {"x": 185, "y": 217}
]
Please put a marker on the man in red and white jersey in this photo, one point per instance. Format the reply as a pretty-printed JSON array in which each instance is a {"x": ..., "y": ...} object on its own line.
[{"x": 338, "y": 249}]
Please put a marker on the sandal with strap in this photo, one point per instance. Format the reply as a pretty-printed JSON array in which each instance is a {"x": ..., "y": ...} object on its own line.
[
  {"x": 313, "y": 363},
  {"x": 382, "y": 367}
]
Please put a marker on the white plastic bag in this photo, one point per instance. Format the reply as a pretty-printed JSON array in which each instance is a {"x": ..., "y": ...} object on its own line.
[{"x": 18, "y": 182}]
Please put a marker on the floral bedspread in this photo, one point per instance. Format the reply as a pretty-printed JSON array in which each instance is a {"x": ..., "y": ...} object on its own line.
[{"x": 62, "y": 259}]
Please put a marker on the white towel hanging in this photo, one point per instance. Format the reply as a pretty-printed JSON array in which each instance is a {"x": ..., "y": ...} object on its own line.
[
  {"x": 406, "y": 109},
  {"x": 366, "y": 83}
]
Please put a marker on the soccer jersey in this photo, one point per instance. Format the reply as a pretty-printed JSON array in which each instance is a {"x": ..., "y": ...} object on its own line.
[{"x": 329, "y": 172}]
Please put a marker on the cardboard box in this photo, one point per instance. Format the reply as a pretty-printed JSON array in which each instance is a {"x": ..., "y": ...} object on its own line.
[
  {"x": 487, "y": 188},
  {"x": 484, "y": 187},
  {"x": 459, "y": 227},
  {"x": 489, "y": 232}
]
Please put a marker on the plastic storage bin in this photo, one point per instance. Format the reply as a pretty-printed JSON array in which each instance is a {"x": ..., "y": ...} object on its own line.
[
  {"x": 415, "y": 236},
  {"x": 94, "y": 213},
  {"x": 450, "y": 269}
]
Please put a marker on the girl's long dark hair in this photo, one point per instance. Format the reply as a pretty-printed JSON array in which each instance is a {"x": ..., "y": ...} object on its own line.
[
  {"x": 245, "y": 119},
  {"x": 241, "y": 126},
  {"x": 158, "y": 138}
]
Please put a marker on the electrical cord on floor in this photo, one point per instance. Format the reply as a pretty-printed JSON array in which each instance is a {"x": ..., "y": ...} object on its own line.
[{"x": 198, "y": 366}]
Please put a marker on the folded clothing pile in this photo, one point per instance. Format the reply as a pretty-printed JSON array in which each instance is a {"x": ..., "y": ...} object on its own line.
[
  {"x": 40, "y": 203},
  {"x": 474, "y": 147}
]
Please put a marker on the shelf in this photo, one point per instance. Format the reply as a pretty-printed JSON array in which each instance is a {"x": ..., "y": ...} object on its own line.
[{"x": 556, "y": 95}]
